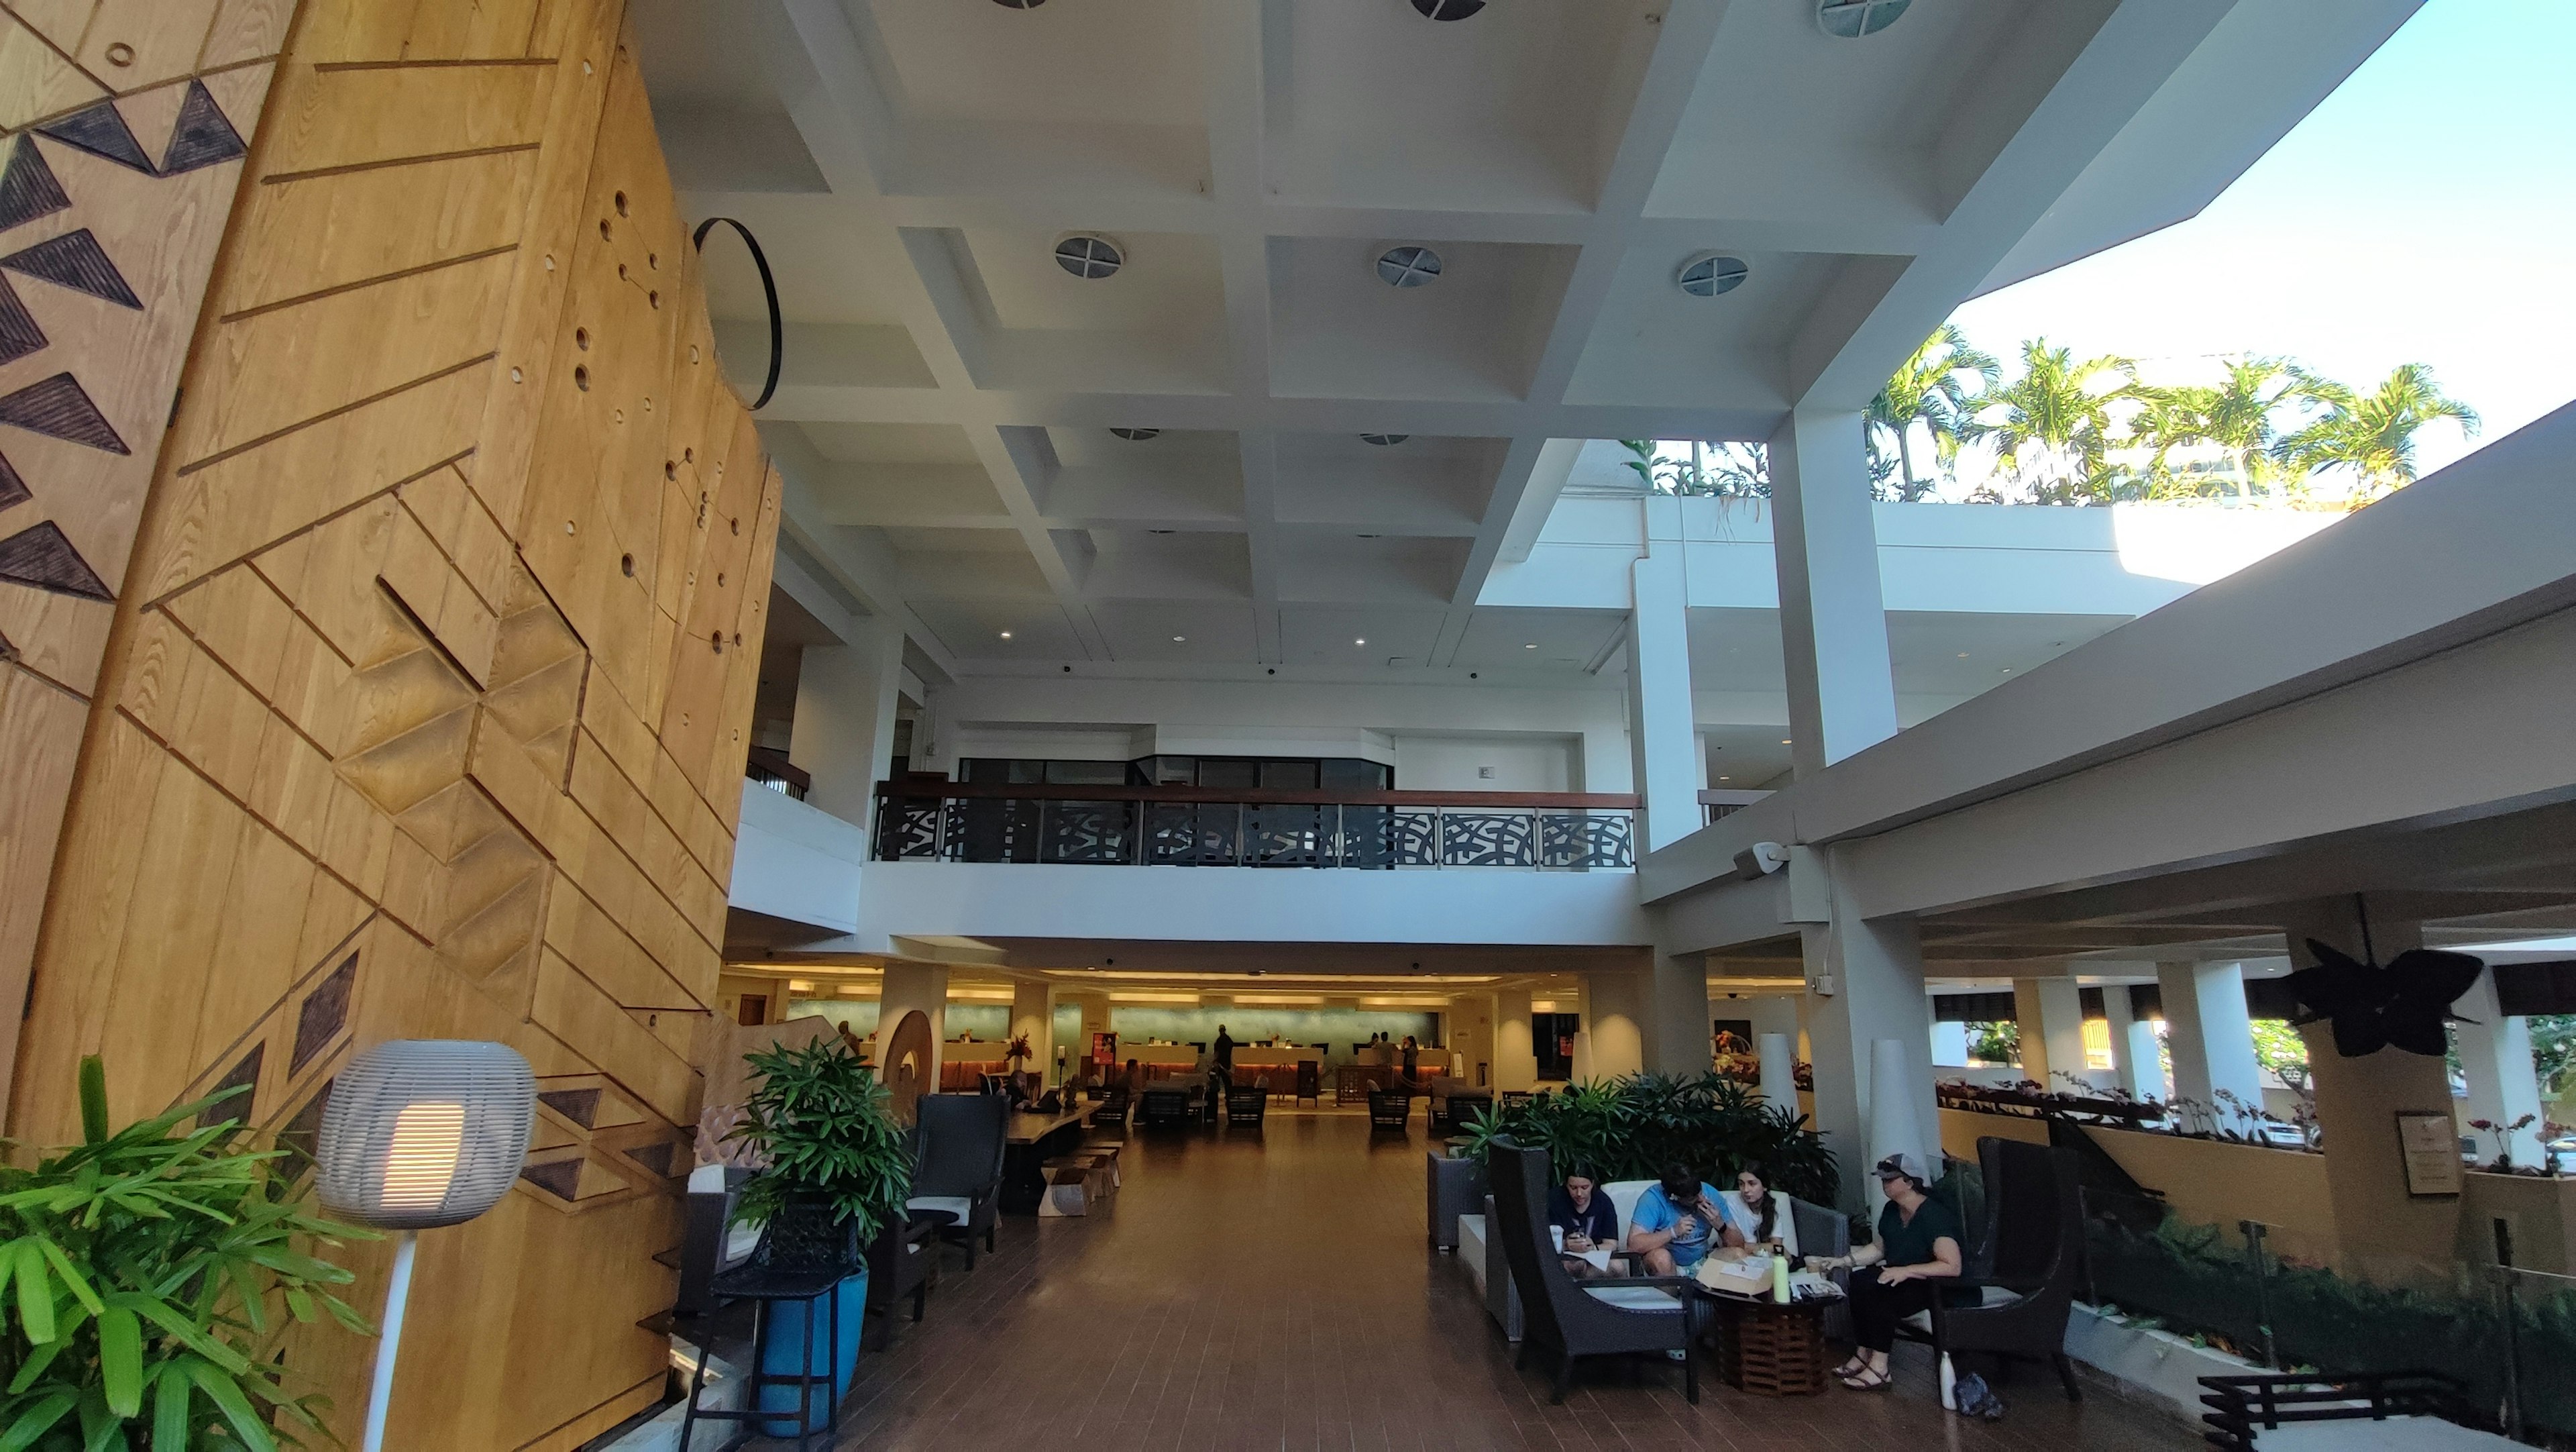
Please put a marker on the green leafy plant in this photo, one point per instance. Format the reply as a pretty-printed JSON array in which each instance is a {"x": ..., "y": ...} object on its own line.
[
  {"x": 146, "y": 1279},
  {"x": 1629, "y": 1129},
  {"x": 822, "y": 1122}
]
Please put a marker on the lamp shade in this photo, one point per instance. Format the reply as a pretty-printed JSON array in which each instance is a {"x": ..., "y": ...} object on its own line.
[{"x": 425, "y": 1132}]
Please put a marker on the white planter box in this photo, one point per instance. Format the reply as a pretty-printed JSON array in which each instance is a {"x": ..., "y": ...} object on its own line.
[{"x": 2162, "y": 1366}]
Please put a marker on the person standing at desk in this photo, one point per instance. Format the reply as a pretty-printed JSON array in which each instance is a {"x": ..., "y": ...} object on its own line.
[
  {"x": 1221, "y": 1060},
  {"x": 1412, "y": 1062}
]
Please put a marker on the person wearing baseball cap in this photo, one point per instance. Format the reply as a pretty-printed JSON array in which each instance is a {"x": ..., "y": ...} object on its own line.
[{"x": 1917, "y": 1247}]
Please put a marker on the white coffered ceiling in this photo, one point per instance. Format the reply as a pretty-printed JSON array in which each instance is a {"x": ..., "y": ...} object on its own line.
[{"x": 949, "y": 391}]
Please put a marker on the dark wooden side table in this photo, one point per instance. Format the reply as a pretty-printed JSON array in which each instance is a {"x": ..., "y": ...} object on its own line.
[{"x": 1767, "y": 1349}]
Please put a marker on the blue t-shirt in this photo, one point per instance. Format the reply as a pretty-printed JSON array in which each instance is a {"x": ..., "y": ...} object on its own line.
[{"x": 1654, "y": 1212}]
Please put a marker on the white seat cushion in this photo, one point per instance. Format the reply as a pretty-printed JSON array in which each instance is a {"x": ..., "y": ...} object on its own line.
[
  {"x": 1623, "y": 1201},
  {"x": 955, "y": 1205},
  {"x": 740, "y": 1240},
  {"x": 1633, "y": 1298},
  {"x": 1986, "y": 1296}
]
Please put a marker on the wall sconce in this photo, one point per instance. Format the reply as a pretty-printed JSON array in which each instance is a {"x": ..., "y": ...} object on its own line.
[{"x": 421, "y": 1133}]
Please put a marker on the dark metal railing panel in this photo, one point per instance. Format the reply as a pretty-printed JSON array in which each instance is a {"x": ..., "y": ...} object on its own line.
[{"x": 928, "y": 820}]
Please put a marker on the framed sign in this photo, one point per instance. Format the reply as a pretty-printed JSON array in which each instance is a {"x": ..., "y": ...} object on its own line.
[{"x": 2430, "y": 1145}]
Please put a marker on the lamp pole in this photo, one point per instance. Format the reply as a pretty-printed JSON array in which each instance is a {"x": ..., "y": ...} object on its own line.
[{"x": 397, "y": 1297}]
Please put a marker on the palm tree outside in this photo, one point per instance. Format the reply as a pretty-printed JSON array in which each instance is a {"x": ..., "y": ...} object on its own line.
[
  {"x": 1934, "y": 389},
  {"x": 2238, "y": 415},
  {"x": 2052, "y": 426},
  {"x": 2374, "y": 435}
]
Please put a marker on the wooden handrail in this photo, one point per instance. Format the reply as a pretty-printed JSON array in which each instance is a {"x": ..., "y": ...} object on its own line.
[{"x": 1249, "y": 796}]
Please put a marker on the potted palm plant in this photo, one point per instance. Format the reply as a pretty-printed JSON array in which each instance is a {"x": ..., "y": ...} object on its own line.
[
  {"x": 834, "y": 1162},
  {"x": 153, "y": 1272}
]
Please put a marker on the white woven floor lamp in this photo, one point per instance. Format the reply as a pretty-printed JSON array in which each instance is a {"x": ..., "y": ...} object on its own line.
[{"x": 421, "y": 1133}]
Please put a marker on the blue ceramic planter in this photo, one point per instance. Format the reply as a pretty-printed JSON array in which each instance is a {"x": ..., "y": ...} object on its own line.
[{"x": 784, "y": 1353}]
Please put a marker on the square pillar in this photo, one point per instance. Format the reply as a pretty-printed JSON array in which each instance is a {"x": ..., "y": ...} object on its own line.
[
  {"x": 2142, "y": 1079},
  {"x": 1679, "y": 1042},
  {"x": 1662, "y": 739},
  {"x": 843, "y": 737},
  {"x": 1833, "y": 617},
  {"x": 1033, "y": 1013},
  {"x": 2383, "y": 1232},
  {"x": 2050, "y": 1013},
  {"x": 1875, "y": 970},
  {"x": 1515, "y": 1051},
  {"x": 2495, "y": 1059},
  {"x": 908, "y": 987},
  {"x": 2209, "y": 1034},
  {"x": 1614, "y": 1026}
]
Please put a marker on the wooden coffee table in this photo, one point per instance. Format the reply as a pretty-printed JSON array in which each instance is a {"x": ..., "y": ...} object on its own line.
[{"x": 1768, "y": 1349}]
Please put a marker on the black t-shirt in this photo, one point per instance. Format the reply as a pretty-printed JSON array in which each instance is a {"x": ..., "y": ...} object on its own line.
[
  {"x": 1224, "y": 1051},
  {"x": 1599, "y": 1220},
  {"x": 1910, "y": 1242}
]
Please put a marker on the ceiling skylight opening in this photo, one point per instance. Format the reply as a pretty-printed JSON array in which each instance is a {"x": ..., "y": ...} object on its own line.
[
  {"x": 1137, "y": 436},
  {"x": 1447, "y": 9},
  {"x": 1089, "y": 257},
  {"x": 1852, "y": 19},
  {"x": 1408, "y": 266},
  {"x": 1384, "y": 441},
  {"x": 1711, "y": 273}
]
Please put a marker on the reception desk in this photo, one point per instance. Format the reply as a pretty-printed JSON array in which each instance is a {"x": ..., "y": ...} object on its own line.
[{"x": 1271, "y": 1070}]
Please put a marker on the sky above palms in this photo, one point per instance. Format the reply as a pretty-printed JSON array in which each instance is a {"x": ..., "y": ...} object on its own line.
[{"x": 2425, "y": 213}]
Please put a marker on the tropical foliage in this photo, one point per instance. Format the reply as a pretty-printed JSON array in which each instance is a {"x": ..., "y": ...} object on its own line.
[
  {"x": 1932, "y": 389},
  {"x": 823, "y": 1125},
  {"x": 155, "y": 1272},
  {"x": 1724, "y": 470},
  {"x": 1629, "y": 1129}
]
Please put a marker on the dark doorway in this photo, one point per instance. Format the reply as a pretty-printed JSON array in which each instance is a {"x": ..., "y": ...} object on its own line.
[{"x": 1552, "y": 1036}]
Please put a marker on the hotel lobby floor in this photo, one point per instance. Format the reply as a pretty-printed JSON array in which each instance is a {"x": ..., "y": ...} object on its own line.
[{"x": 1270, "y": 1289}]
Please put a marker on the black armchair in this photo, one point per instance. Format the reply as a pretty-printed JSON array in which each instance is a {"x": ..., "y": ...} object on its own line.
[
  {"x": 959, "y": 1172},
  {"x": 1246, "y": 1105},
  {"x": 1111, "y": 1116},
  {"x": 1621, "y": 1315},
  {"x": 1162, "y": 1108},
  {"x": 1389, "y": 1108},
  {"x": 2030, "y": 1250},
  {"x": 899, "y": 1266}
]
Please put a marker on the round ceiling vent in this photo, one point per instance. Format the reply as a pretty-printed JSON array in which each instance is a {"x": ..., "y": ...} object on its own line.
[
  {"x": 1441, "y": 9},
  {"x": 1408, "y": 266},
  {"x": 1711, "y": 273},
  {"x": 1852, "y": 19},
  {"x": 1384, "y": 441},
  {"x": 1019, "y": 4},
  {"x": 1089, "y": 257},
  {"x": 1136, "y": 436}
]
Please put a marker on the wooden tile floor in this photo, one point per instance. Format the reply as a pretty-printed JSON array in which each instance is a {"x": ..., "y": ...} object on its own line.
[{"x": 1270, "y": 1289}]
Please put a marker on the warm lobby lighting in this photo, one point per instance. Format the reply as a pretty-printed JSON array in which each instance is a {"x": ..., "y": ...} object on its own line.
[
  {"x": 1190, "y": 998},
  {"x": 1218, "y": 978},
  {"x": 1402, "y": 1000},
  {"x": 1307, "y": 1000},
  {"x": 980, "y": 995}
]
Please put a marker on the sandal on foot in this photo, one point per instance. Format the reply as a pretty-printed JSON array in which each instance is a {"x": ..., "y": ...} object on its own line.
[
  {"x": 1867, "y": 1379},
  {"x": 1853, "y": 1367}
]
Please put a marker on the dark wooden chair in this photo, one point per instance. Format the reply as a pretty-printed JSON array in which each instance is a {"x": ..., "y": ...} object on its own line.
[
  {"x": 899, "y": 1263},
  {"x": 1246, "y": 1105},
  {"x": 1466, "y": 1104},
  {"x": 1517, "y": 1098},
  {"x": 959, "y": 1171},
  {"x": 1389, "y": 1108},
  {"x": 1165, "y": 1108},
  {"x": 803, "y": 1256},
  {"x": 2024, "y": 1264},
  {"x": 1111, "y": 1117},
  {"x": 1612, "y": 1316}
]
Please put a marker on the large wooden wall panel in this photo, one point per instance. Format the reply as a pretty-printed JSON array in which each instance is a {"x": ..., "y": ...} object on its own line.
[{"x": 421, "y": 693}]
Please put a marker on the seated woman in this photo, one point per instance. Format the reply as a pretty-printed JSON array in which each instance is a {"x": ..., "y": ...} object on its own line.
[
  {"x": 1757, "y": 1221},
  {"x": 1917, "y": 1248},
  {"x": 1674, "y": 1224}
]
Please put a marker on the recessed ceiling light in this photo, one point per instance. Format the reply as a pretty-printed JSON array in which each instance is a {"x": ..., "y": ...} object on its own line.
[
  {"x": 1180, "y": 639},
  {"x": 1852, "y": 19},
  {"x": 1533, "y": 645},
  {"x": 1384, "y": 441},
  {"x": 1784, "y": 740},
  {"x": 1408, "y": 266},
  {"x": 1006, "y": 635},
  {"x": 1089, "y": 257},
  {"x": 1448, "y": 9},
  {"x": 1363, "y": 640},
  {"x": 1711, "y": 273},
  {"x": 1136, "y": 436},
  {"x": 1963, "y": 655}
]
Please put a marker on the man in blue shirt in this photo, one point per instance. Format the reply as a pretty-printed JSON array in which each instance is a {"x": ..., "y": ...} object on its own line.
[{"x": 1676, "y": 1222}]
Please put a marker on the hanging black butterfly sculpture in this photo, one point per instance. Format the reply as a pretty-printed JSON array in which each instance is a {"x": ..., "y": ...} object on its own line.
[{"x": 2404, "y": 1004}]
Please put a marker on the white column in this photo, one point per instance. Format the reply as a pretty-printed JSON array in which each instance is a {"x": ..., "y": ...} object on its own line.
[
  {"x": 1515, "y": 1053},
  {"x": 1662, "y": 741},
  {"x": 2495, "y": 1058},
  {"x": 1949, "y": 1044},
  {"x": 911, "y": 986},
  {"x": 2050, "y": 1012},
  {"x": 1875, "y": 969},
  {"x": 1833, "y": 619},
  {"x": 845, "y": 714},
  {"x": 1679, "y": 1039},
  {"x": 2146, "y": 1049},
  {"x": 2139, "y": 1078},
  {"x": 1033, "y": 1013},
  {"x": 2210, "y": 1035},
  {"x": 1615, "y": 1027}
]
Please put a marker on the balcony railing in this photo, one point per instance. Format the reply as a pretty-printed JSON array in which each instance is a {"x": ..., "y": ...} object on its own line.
[
  {"x": 945, "y": 821},
  {"x": 773, "y": 770}
]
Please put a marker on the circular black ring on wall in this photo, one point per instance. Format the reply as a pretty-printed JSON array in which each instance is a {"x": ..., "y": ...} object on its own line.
[{"x": 768, "y": 289}]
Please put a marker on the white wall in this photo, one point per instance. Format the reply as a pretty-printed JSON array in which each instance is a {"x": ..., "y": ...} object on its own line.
[
  {"x": 793, "y": 861},
  {"x": 1517, "y": 763}
]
